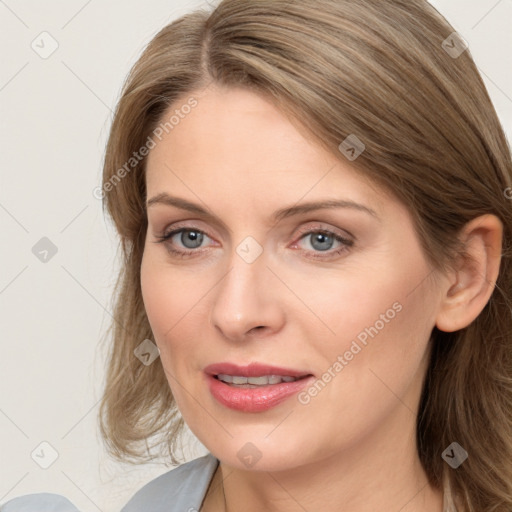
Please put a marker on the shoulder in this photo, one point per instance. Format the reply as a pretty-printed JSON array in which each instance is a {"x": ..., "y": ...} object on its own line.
[
  {"x": 182, "y": 488},
  {"x": 39, "y": 502}
]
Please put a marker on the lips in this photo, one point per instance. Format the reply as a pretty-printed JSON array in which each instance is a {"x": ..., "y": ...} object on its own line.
[{"x": 255, "y": 387}]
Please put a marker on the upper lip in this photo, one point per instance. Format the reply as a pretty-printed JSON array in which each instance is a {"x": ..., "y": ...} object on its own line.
[{"x": 253, "y": 370}]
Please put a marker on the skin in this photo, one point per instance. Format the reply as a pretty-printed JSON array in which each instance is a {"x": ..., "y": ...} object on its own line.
[{"x": 352, "y": 447}]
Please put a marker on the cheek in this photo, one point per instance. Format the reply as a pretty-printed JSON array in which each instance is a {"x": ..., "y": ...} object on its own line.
[
  {"x": 364, "y": 382},
  {"x": 341, "y": 305},
  {"x": 375, "y": 321},
  {"x": 386, "y": 297},
  {"x": 175, "y": 305},
  {"x": 379, "y": 351},
  {"x": 163, "y": 297},
  {"x": 164, "y": 304},
  {"x": 154, "y": 294}
]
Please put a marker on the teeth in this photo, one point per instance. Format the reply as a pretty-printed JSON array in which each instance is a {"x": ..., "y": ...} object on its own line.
[
  {"x": 264, "y": 380},
  {"x": 257, "y": 381}
]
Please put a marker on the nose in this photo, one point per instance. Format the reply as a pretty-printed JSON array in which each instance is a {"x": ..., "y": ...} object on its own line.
[{"x": 247, "y": 301}]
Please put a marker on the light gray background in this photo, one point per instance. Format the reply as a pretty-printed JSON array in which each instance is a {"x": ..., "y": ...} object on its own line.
[{"x": 55, "y": 117}]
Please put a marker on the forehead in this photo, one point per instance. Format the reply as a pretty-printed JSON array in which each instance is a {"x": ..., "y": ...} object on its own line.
[{"x": 235, "y": 146}]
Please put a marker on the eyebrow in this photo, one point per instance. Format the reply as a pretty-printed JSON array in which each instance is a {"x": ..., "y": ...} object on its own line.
[{"x": 278, "y": 215}]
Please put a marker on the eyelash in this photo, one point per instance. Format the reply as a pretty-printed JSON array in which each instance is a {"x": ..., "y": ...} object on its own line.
[{"x": 346, "y": 243}]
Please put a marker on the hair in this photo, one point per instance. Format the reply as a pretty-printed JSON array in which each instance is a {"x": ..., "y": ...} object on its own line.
[{"x": 379, "y": 71}]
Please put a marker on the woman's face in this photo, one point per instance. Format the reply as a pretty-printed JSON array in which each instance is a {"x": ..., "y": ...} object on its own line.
[{"x": 341, "y": 294}]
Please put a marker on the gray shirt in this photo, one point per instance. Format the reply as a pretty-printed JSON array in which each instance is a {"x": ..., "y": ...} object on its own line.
[{"x": 181, "y": 489}]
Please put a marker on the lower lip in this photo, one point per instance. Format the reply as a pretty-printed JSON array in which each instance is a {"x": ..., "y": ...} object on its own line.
[{"x": 257, "y": 399}]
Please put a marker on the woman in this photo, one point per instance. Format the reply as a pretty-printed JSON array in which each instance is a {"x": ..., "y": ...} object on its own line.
[
  {"x": 312, "y": 200},
  {"x": 400, "y": 344}
]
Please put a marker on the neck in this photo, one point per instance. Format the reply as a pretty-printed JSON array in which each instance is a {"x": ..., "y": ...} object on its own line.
[{"x": 380, "y": 472}]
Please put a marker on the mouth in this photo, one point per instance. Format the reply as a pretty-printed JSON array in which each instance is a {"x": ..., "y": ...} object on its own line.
[
  {"x": 257, "y": 374},
  {"x": 240, "y": 381},
  {"x": 255, "y": 387}
]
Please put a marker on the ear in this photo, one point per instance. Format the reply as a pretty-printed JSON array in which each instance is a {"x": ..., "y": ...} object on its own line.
[{"x": 471, "y": 286}]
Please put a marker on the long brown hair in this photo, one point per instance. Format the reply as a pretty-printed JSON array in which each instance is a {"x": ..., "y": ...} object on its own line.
[{"x": 394, "y": 74}]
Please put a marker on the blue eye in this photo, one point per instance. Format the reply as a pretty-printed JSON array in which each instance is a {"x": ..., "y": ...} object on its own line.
[
  {"x": 188, "y": 235},
  {"x": 322, "y": 240},
  {"x": 195, "y": 237}
]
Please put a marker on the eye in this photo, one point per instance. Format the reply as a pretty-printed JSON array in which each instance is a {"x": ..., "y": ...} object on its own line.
[
  {"x": 321, "y": 240},
  {"x": 190, "y": 238}
]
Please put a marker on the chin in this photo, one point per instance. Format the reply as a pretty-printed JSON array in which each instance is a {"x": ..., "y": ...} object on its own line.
[{"x": 262, "y": 454}]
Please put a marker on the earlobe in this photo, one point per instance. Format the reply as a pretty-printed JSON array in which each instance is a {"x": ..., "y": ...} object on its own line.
[{"x": 473, "y": 283}]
